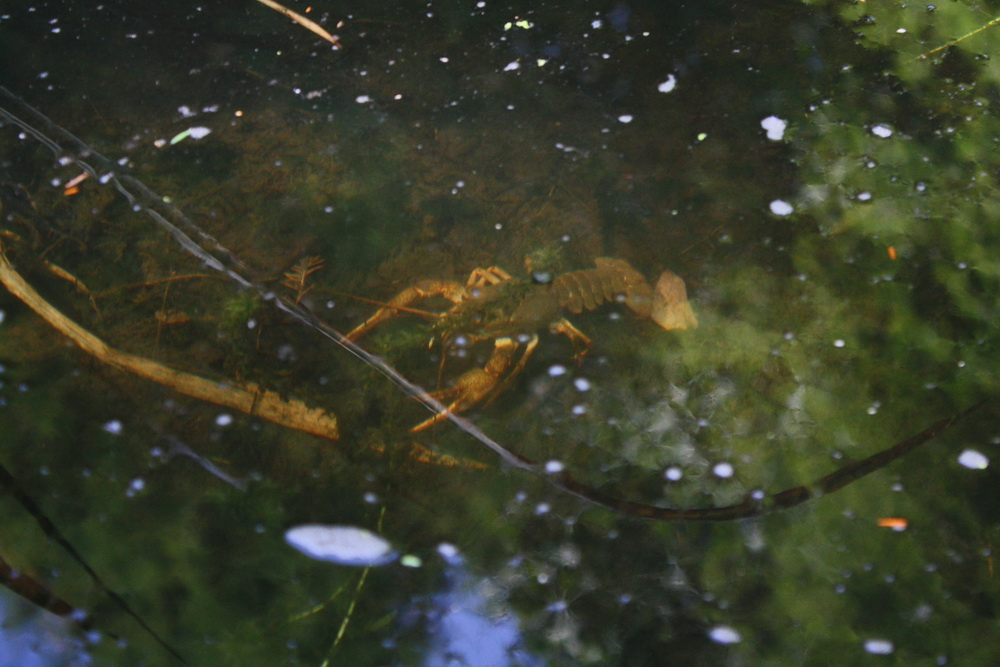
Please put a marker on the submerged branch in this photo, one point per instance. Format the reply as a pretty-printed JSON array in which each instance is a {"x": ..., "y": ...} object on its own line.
[{"x": 245, "y": 397}]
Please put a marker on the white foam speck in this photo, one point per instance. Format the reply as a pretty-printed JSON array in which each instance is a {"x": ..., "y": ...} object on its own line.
[
  {"x": 879, "y": 646},
  {"x": 974, "y": 460},
  {"x": 775, "y": 127},
  {"x": 723, "y": 470},
  {"x": 668, "y": 85},
  {"x": 723, "y": 634},
  {"x": 781, "y": 207},
  {"x": 552, "y": 467}
]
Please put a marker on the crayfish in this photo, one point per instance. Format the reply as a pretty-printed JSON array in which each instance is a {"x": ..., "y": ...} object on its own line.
[{"x": 492, "y": 305}]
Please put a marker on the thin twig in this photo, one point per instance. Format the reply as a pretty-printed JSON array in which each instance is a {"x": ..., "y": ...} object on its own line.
[{"x": 924, "y": 56}]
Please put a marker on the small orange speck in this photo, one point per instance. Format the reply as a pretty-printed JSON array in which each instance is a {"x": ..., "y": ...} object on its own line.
[
  {"x": 71, "y": 191},
  {"x": 892, "y": 252},
  {"x": 894, "y": 522}
]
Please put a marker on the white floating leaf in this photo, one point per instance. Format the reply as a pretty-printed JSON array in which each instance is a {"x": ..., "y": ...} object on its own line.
[{"x": 344, "y": 545}]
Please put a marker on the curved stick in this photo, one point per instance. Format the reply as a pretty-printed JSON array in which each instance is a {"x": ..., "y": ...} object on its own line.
[
  {"x": 752, "y": 507},
  {"x": 247, "y": 398}
]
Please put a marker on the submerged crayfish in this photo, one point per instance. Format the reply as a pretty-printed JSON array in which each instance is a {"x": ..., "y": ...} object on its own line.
[{"x": 492, "y": 305}]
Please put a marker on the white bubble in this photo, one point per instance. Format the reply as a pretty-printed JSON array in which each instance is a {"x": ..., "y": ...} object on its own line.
[
  {"x": 582, "y": 384},
  {"x": 723, "y": 634},
  {"x": 199, "y": 132},
  {"x": 879, "y": 646},
  {"x": 673, "y": 473},
  {"x": 882, "y": 131},
  {"x": 363, "y": 99},
  {"x": 557, "y": 370},
  {"x": 781, "y": 207},
  {"x": 775, "y": 127},
  {"x": 668, "y": 85},
  {"x": 114, "y": 427},
  {"x": 450, "y": 553},
  {"x": 224, "y": 419},
  {"x": 973, "y": 460},
  {"x": 553, "y": 467},
  {"x": 723, "y": 470},
  {"x": 511, "y": 66},
  {"x": 625, "y": 118},
  {"x": 839, "y": 343}
]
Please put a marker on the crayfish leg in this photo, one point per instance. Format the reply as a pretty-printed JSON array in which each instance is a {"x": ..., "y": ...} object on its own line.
[
  {"x": 483, "y": 277},
  {"x": 425, "y": 289},
  {"x": 476, "y": 384},
  {"x": 581, "y": 344},
  {"x": 521, "y": 363}
]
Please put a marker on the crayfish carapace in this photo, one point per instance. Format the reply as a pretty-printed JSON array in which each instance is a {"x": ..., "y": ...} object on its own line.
[{"x": 492, "y": 305}]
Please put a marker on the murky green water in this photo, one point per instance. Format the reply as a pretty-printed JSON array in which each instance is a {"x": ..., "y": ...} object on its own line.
[{"x": 821, "y": 175}]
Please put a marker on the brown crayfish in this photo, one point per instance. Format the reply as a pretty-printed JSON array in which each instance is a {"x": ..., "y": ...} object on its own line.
[{"x": 492, "y": 305}]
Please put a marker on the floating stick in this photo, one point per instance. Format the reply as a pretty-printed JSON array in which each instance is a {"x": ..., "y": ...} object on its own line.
[{"x": 308, "y": 24}]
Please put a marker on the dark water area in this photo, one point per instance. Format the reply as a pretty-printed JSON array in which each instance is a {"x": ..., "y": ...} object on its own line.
[{"x": 662, "y": 262}]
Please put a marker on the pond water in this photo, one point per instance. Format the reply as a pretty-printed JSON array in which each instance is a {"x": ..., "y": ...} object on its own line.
[{"x": 199, "y": 201}]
